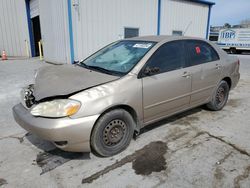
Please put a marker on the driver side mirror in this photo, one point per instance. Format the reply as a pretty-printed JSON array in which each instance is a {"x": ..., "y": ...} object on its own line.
[{"x": 151, "y": 70}]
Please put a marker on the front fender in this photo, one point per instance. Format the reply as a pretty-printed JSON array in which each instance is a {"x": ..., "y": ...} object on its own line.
[{"x": 125, "y": 91}]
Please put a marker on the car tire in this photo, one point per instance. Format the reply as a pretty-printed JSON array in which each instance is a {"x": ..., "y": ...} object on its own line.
[
  {"x": 233, "y": 50},
  {"x": 220, "y": 97},
  {"x": 112, "y": 133}
]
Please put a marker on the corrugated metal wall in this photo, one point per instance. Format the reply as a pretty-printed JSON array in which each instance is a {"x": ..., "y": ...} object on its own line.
[
  {"x": 55, "y": 30},
  {"x": 182, "y": 15},
  {"x": 13, "y": 27},
  {"x": 97, "y": 23}
]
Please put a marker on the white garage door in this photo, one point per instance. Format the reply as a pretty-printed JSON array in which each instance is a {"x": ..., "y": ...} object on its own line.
[{"x": 55, "y": 30}]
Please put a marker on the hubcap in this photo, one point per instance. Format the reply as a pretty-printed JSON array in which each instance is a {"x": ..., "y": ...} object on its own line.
[
  {"x": 220, "y": 96},
  {"x": 114, "y": 132}
]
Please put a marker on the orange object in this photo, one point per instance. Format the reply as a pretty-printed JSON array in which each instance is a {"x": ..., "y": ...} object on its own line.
[{"x": 4, "y": 56}]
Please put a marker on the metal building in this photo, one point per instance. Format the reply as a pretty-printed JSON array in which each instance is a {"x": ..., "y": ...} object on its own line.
[
  {"x": 73, "y": 29},
  {"x": 14, "y": 33}
]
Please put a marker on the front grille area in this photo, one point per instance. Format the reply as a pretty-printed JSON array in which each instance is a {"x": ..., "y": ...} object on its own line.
[{"x": 27, "y": 97}]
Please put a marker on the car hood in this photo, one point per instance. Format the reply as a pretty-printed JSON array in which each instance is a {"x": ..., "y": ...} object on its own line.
[{"x": 63, "y": 80}]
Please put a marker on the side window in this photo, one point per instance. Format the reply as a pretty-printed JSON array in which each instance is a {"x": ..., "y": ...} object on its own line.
[
  {"x": 170, "y": 56},
  {"x": 200, "y": 52}
]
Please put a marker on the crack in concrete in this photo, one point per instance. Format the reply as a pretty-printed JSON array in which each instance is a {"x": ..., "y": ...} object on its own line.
[
  {"x": 224, "y": 158},
  {"x": 242, "y": 177},
  {"x": 18, "y": 138},
  {"x": 21, "y": 139},
  {"x": 218, "y": 174},
  {"x": 146, "y": 160},
  {"x": 145, "y": 167},
  {"x": 188, "y": 144},
  {"x": 240, "y": 150},
  {"x": 6, "y": 137}
]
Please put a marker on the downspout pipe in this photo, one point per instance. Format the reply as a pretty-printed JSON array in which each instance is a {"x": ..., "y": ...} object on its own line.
[
  {"x": 71, "y": 38},
  {"x": 159, "y": 18}
]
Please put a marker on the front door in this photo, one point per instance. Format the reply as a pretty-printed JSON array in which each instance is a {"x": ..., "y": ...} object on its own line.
[{"x": 167, "y": 89}]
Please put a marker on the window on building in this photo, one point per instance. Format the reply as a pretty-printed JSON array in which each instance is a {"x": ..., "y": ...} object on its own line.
[
  {"x": 131, "y": 32},
  {"x": 177, "y": 33},
  {"x": 213, "y": 38},
  {"x": 168, "y": 57},
  {"x": 200, "y": 52}
]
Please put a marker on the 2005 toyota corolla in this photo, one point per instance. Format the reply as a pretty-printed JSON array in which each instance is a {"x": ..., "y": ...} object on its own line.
[{"x": 99, "y": 103}]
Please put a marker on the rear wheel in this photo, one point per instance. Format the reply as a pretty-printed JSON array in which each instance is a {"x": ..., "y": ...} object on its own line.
[
  {"x": 232, "y": 50},
  {"x": 220, "y": 97},
  {"x": 112, "y": 132}
]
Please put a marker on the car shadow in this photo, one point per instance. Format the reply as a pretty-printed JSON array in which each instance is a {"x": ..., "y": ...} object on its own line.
[
  {"x": 39, "y": 143},
  {"x": 48, "y": 147},
  {"x": 171, "y": 119},
  {"x": 51, "y": 157}
]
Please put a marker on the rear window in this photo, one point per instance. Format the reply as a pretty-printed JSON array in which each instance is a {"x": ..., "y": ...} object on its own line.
[{"x": 200, "y": 52}]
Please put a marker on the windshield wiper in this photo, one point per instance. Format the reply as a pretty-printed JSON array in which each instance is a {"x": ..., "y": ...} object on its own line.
[
  {"x": 100, "y": 69},
  {"x": 103, "y": 70},
  {"x": 83, "y": 65}
]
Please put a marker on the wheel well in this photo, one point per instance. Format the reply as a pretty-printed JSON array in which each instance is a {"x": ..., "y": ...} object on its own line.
[
  {"x": 228, "y": 80},
  {"x": 129, "y": 109}
]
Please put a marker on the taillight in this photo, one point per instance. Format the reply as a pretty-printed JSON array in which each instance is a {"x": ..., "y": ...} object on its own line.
[{"x": 238, "y": 62}]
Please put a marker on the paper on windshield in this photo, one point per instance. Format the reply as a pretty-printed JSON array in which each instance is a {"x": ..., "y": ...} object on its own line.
[{"x": 143, "y": 45}]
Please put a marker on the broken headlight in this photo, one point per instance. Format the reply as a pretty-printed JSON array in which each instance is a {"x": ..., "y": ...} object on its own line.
[{"x": 56, "y": 108}]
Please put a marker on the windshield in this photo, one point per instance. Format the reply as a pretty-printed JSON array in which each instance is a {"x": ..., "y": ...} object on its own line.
[{"x": 118, "y": 58}]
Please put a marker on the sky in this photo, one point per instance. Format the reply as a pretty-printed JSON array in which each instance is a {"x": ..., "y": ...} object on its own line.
[{"x": 229, "y": 11}]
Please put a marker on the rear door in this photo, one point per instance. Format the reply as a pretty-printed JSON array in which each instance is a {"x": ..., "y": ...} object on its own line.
[
  {"x": 168, "y": 90},
  {"x": 205, "y": 69}
]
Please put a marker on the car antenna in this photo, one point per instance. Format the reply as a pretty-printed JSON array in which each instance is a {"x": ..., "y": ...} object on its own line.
[{"x": 189, "y": 24}]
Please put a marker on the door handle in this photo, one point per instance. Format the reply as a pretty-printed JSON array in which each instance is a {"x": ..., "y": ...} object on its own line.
[
  {"x": 186, "y": 75},
  {"x": 217, "y": 66}
]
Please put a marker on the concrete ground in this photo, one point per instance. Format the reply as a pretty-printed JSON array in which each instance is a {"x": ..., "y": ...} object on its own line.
[{"x": 198, "y": 148}]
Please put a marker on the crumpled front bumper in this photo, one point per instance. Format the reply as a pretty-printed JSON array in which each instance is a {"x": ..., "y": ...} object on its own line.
[{"x": 76, "y": 132}]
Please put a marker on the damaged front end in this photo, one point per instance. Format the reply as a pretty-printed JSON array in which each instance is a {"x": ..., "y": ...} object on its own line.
[
  {"x": 27, "y": 97},
  {"x": 49, "y": 107}
]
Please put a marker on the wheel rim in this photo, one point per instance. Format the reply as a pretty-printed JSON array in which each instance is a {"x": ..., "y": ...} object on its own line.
[
  {"x": 114, "y": 132},
  {"x": 220, "y": 96}
]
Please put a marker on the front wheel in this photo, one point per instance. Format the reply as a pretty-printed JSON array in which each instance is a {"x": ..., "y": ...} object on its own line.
[
  {"x": 220, "y": 97},
  {"x": 112, "y": 133}
]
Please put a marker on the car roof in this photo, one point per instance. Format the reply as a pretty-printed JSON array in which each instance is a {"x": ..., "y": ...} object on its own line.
[
  {"x": 167, "y": 38},
  {"x": 161, "y": 38}
]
